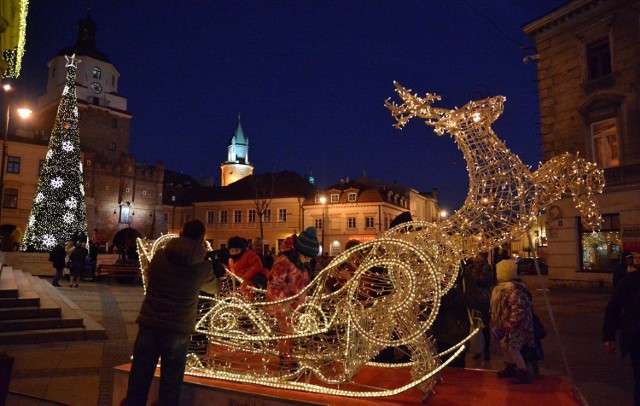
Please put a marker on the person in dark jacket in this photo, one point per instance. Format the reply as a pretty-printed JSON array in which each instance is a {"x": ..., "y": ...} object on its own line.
[
  {"x": 623, "y": 313},
  {"x": 78, "y": 258},
  {"x": 622, "y": 269},
  {"x": 57, "y": 257},
  {"x": 167, "y": 318},
  {"x": 479, "y": 281}
]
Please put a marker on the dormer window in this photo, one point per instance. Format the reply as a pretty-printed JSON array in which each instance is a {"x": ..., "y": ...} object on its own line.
[
  {"x": 351, "y": 197},
  {"x": 335, "y": 198},
  {"x": 97, "y": 73}
]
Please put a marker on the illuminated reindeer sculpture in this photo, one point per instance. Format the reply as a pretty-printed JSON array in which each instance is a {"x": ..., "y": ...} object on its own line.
[{"x": 390, "y": 288}]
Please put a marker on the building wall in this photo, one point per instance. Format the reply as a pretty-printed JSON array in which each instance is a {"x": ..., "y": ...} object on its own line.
[
  {"x": 571, "y": 100},
  {"x": 218, "y": 233}
]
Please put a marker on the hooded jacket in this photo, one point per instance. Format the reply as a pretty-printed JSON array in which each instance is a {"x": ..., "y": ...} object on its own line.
[{"x": 175, "y": 277}]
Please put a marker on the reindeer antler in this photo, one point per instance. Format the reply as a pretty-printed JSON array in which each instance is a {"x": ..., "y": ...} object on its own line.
[{"x": 414, "y": 106}]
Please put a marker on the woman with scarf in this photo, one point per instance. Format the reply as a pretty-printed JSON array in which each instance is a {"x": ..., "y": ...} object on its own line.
[
  {"x": 245, "y": 264},
  {"x": 512, "y": 318}
]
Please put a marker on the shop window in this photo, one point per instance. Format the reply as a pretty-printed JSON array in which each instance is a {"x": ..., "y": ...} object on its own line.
[{"x": 602, "y": 250}]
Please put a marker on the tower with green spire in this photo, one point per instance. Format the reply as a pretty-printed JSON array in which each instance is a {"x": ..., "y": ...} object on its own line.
[
  {"x": 237, "y": 165},
  {"x": 59, "y": 211}
]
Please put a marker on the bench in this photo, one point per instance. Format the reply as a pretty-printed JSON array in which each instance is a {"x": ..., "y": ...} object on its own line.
[{"x": 109, "y": 271}]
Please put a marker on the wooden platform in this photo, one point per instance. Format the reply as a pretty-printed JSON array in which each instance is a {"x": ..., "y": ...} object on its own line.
[{"x": 457, "y": 387}]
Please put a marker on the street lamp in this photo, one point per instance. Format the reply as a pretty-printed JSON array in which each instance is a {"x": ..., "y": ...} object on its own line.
[
  {"x": 22, "y": 112},
  {"x": 323, "y": 200},
  {"x": 443, "y": 215}
]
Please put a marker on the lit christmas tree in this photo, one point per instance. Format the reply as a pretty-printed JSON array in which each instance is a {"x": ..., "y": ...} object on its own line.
[{"x": 59, "y": 211}]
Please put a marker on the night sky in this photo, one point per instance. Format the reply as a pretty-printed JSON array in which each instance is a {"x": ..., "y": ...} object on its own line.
[{"x": 309, "y": 79}]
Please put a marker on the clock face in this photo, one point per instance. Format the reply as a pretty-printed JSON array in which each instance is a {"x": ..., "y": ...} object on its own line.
[{"x": 96, "y": 88}]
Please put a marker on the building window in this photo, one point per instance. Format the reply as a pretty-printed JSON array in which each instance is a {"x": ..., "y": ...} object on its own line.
[
  {"x": 125, "y": 211},
  {"x": 251, "y": 215},
  {"x": 351, "y": 222},
  {"x": 210, "y": 216},
  {"x": 166, "y": 217},
  {"x": 602, "y": 250},
  {"x": 13, "y": 164},
  {"x": 144, "y": 193},
  {"x": 10, "y": 198},
  {"x": 266, "y": 216},
  {"x": 223, "y": 217},
  {"x": 598, "y": 59},
  {"x": 237, "y": 216},
  {"x": 114, "y": 122},
  {"x": 97, "y": 73},
  {"x": 605, "y": 143},
  {"x": 318, "y": 224},
  {"x": 187, "y": 218},
  {"x": 112, "y": 146},
  {"x": 351, "y": 197},
  {"x": 40, "y": 167},
  {"x": 368, "y": 222},
  {"x": 335, "y": 198},
  {"x": 282, "y": 215}
]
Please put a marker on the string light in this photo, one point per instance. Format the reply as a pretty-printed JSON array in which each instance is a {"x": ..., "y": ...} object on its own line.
[
  {"x": 59, "y": 211},
  {"x": 386, "y": 292}
]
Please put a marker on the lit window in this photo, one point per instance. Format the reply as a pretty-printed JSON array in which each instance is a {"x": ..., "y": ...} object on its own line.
[
  {"x": 351, "y": 197},
  {"x": 282, "y": 215},
  {"x": 13, "y": 164},
  {"x": 351, "y": 222},
  {"x": 237, "y": 216},
  {"x": 605, "y": 143},
  {"x": 10, "y": 198},
  {"x": 251, "y": 216},
  {"x": 97, "y": 73},
  {"x": 601, "y": 250},
  {"x": 223, "y": 217},
  {"x": 335, "y": 198}
]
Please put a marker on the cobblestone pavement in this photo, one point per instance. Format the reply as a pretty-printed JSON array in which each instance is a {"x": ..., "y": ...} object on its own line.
[{"x": 80, "y": 373}]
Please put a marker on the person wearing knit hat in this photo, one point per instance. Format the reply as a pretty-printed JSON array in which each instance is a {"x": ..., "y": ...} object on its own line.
[
  {"x": 288, "y": 277},
  {"x": 307, "y": 243},
  {"x": 511, "y": 315}
]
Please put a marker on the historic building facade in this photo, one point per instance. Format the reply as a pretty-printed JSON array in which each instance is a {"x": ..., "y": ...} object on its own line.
[
  {"x": 588, "y": 58},
  {"x": 123, "y": 197},
  {"x": 362, "y": 209}
]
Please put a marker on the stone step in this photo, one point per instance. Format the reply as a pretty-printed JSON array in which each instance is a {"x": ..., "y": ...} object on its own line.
[
  {"x": 44, "y": 336},
  {"x": 8, "y": 287},
  {"x": 20, "y": 301},
  {"x": 39, "y": 324},
  {"x": 56, "y": 318}
]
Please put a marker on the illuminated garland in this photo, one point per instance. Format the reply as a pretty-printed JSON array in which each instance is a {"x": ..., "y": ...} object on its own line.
[
  {"x": 386, "y": 292},
  {"x": 59, "y": 211},
  {"x": 14, "y": 37}
]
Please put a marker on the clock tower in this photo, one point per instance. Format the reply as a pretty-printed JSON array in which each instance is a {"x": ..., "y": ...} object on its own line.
[
  {"x": 237, "y": 165},
  {"x": 103, "y": 116}
]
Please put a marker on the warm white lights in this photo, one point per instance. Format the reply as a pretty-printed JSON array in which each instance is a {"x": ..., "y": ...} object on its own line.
[{"x": 386, "y": 292}]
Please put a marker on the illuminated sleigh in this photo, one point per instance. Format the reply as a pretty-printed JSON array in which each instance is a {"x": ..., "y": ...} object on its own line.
[{"x": 385, "y": 294}]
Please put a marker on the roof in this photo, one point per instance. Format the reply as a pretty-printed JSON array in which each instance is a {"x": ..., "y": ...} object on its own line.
[
  {"x": 86, "y": 41},
  {"x": 368, "y": 191},
  {"x": 267, "y": 185}
]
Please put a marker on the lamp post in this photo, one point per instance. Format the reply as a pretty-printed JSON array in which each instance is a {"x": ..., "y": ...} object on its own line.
[
  {"x": 323, "y": 200},
  {"x": 24, "y": 113}
]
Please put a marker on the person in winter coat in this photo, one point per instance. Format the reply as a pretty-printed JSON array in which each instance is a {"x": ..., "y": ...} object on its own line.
[
  {"x": 78, "y": 258},
  {"x": 57, "y": 257},
  {"x": 167, "y": 317},
  {"x": 623, "y": 313},
  {"x": 511, "y": 314},
  {"x": 478, "y": 279},
  {"x": 245, "y": 264},
  {"x": 289, "y": 275}
]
